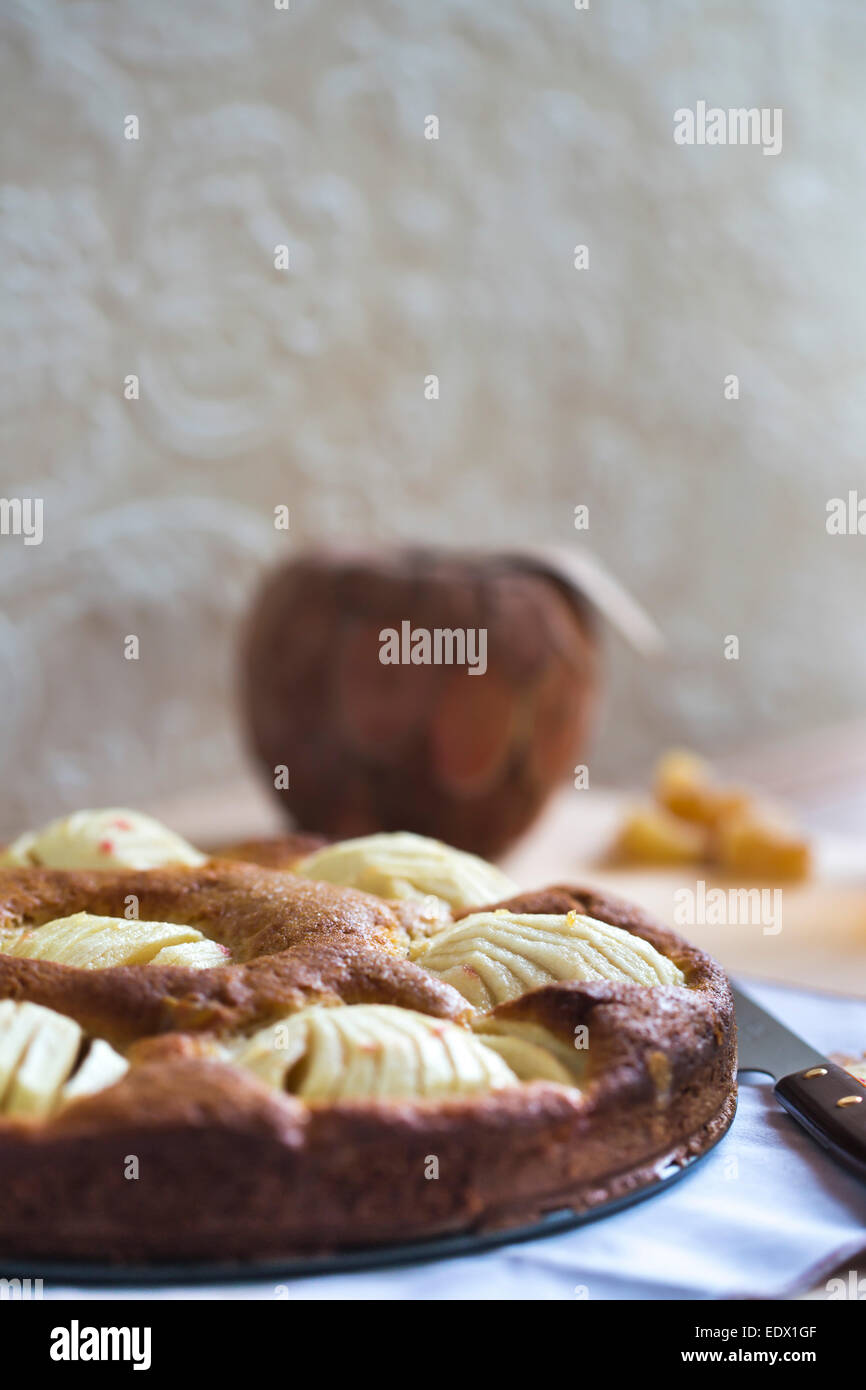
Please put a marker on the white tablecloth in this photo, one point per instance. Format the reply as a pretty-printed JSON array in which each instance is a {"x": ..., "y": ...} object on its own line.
[{"x": 766, "y": 1214}]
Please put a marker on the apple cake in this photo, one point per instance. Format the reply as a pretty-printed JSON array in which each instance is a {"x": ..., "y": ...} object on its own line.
[{"x": 295, "y": 1047}]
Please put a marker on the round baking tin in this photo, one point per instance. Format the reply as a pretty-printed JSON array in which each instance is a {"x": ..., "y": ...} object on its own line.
[{"x": 344, "y": 1261}]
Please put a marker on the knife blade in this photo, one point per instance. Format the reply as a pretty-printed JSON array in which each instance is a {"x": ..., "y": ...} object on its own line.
[
  {"x": 765, "y": 1044},
  {"x": 825, "y": 1099}
]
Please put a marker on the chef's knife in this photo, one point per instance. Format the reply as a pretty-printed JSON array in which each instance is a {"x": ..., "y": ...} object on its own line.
[{"x": 826, "y": 1100}]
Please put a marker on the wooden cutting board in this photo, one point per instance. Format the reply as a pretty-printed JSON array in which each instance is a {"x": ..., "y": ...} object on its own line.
[{"x": 821, "y": 945}]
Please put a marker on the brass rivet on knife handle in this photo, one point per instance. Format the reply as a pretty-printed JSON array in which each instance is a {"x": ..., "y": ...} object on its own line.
[{"x": 827, "y": 1101}]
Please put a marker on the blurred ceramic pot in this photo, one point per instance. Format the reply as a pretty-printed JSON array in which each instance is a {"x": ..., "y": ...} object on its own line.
[{"x": 419, "y": 690}]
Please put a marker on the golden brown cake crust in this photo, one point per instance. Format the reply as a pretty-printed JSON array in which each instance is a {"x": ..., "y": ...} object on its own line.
[
  {"x": 295, "y": 942},
  {"x": 274, "y": 852},
  {"x": 229, "y": 1168}
]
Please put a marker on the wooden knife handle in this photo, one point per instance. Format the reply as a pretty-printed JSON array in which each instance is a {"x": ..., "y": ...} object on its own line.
[{"x": 831, "y": 1104}]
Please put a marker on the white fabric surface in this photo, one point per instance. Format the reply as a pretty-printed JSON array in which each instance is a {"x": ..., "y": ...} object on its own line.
[{"x": 767, "y": 1214}]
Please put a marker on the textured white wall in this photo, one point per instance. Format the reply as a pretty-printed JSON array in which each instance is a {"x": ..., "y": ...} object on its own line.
[{"x": 408, "y": 257}]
